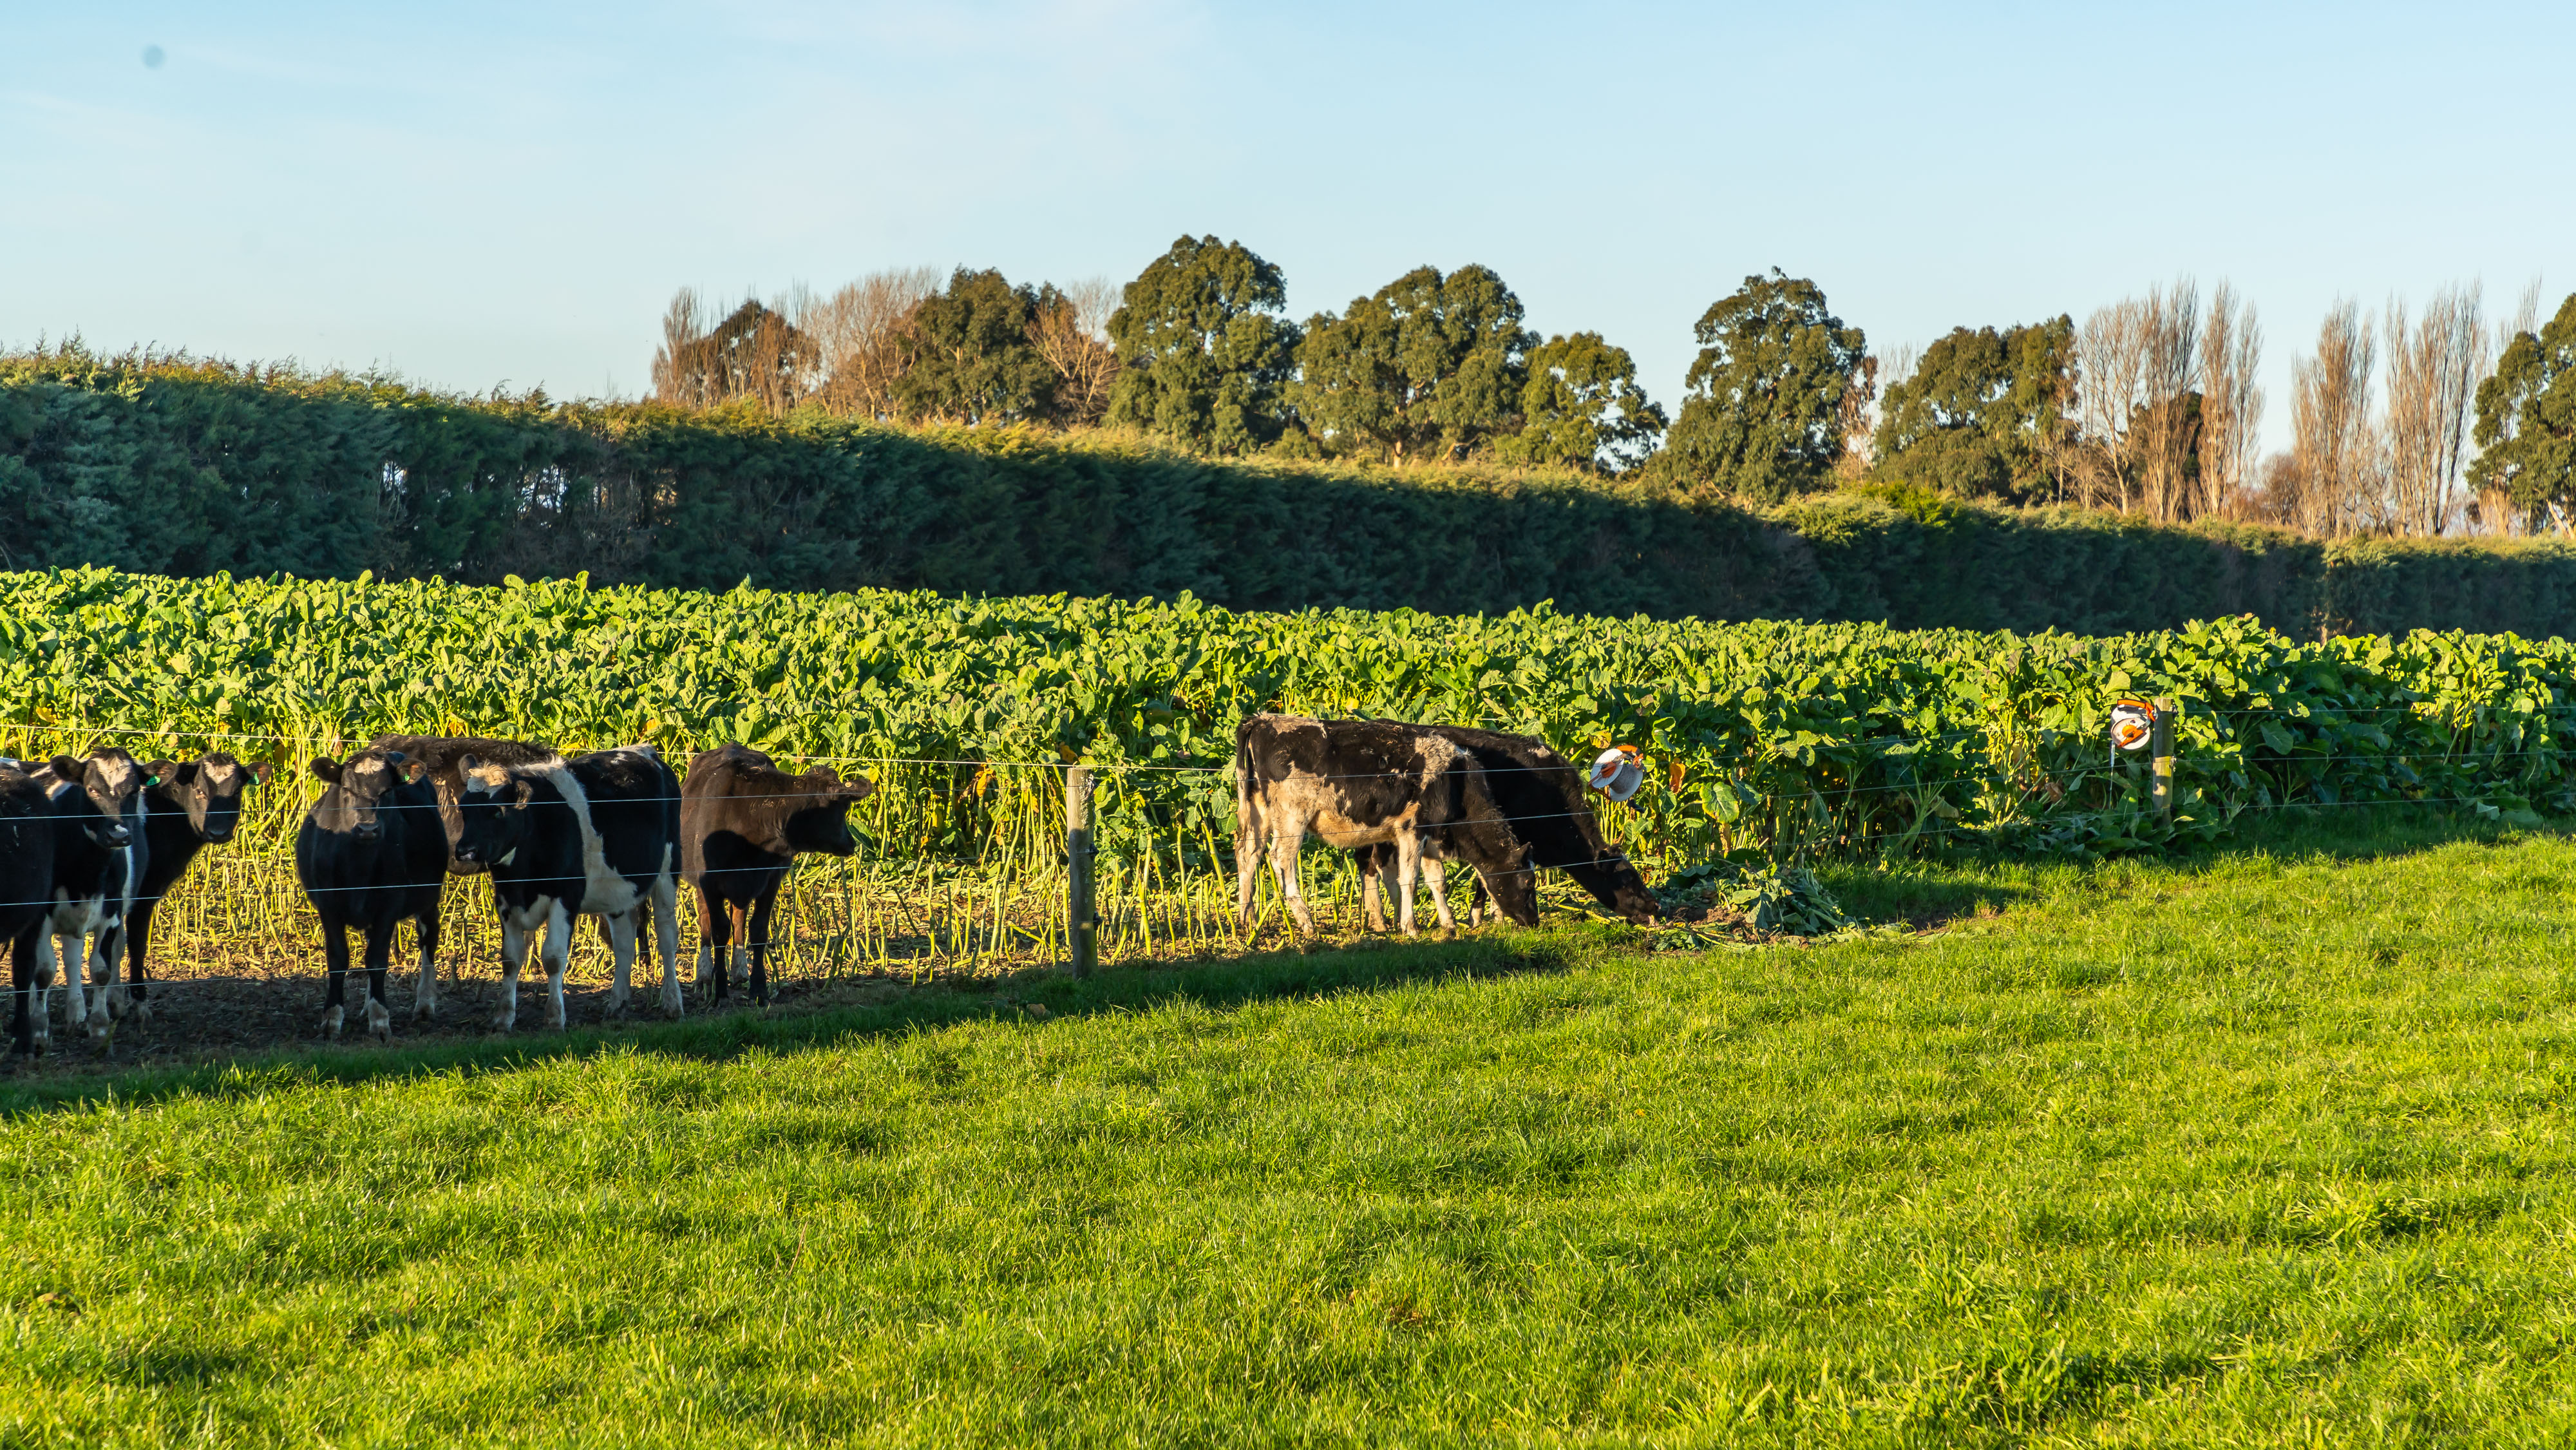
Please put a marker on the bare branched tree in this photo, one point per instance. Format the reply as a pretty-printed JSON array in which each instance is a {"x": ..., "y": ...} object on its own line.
[
  {"x": 753, "y": 353},
  {"x": 1073, "y": 336},
  {"x": 1858, "y": 415},
  {"x": 687, "y": 319},
  {"x": 863, "y": 339},
  {"x": 2168, "y": 417},
  {"x": 2231, "y": 408},
  {"x": 2433, "y": 372},
  {"x": 2111, "y": 354},
  {"x": 2336, "y": 450}
]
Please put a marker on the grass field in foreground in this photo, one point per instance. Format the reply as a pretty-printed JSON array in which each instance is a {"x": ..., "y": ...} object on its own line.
[{"x": 2264, "y": 1148}]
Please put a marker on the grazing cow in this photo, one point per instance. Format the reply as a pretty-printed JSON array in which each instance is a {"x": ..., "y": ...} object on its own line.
[
  {"x": 1541, "y": 795},
  {"x": 742, "y": 823},
  {"x": 28, "y": 833},
  {"x": 193, "y": 805},
  {"x": 100, "y": 855},
  {"x": 369, "y": 856},
  {"x": 444, "y": 754},
  {"x": 1361, "y": 783},
  {"x": 596, "y": 835}
]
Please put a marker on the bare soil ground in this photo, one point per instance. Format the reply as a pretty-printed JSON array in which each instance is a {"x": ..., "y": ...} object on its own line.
[{"x": 257, "y": 997}]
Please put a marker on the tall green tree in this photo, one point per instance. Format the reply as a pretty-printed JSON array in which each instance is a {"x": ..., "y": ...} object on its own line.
[
  {"x": 973, "y": 357},
  {"x": 1582, "y": 408},
  {"x": 2526, "y": 431},
  {"x": 1983, "y": 413},
  {"x": 1429, "y": 367},
  {"x": 1763, "y": 415},
  {"x": 1207, "y": 354}
]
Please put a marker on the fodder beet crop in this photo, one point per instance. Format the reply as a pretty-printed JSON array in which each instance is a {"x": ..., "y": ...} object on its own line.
[{"x": 1780, "y": 738}]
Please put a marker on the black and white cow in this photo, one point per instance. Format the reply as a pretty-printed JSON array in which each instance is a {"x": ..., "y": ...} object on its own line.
[
  {"x": 192, "y": 804},
  {"x": 370, "y": 855},
  {"x": 743, "y": 822},
  {"x": 28, "y": 834},
  {"x": 100, "y": 854},
  {"x": 1358, "y": 783},
  {"x": 596, "y": 835},
  {"x": 1542, "y": 798}
]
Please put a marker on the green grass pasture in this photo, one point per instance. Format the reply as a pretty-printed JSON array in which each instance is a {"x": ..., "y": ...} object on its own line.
[{"x": 2268, "y": 1148}]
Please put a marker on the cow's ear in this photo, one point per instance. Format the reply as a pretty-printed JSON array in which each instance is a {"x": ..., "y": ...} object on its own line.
[
  {"x": 468, "y": 763},
  {"x": 858, "y": 790},
  {"x": 416, "y": 771},
  {"x": 161, "y": 770},
  {"x": 325, "y": 768},
  {"x": 68, "y": 767},
  {"x": 261, "y": 770}
]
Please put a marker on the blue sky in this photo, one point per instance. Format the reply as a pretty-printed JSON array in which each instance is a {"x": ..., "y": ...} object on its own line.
[{"x": 482, "y": 194}]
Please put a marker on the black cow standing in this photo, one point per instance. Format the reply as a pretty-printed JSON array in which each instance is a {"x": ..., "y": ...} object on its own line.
[
  {"x": 370, "y": 854},
  {"x": 1358, "y": 783},
  {"x": 596, "y": 835},
  {"x": 743, "y": 822},
  {"x": 192, "y": 805},
  {"x": 1542, "y": 798},
  {"x": 100, "y": 855},
  {"x": 27, "y": 836}
]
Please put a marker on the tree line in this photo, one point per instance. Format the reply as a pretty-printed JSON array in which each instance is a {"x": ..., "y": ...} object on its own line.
[{"x": 2150, "y": 407}]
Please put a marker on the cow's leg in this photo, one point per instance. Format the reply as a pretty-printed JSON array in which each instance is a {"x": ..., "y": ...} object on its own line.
[
  {"x": 105, "y": 951},
  {"x": 380, "y": 959},
  {"x": 22, "y": 987},
  {"x": 1286, "y": 837},
  {"x": 424, "y": 987},
  {"x": 138, "y": 939},
  {"x": 1371, "y": 895},
  {"x": 666, "y": 937},
  {"x": 514, "y": 959},
  {"x": 558, "y": 955},
  {"x": 1436, "y": 876},
  {"x": 759, "y": 938},
  {"x": 621, "y": 946},
  {"x": 1247, "y": 860},
  {"x": 48, "y": 967},
  {"x": 335, "y": 954},
  {"x": 22, "y": 991},
  {"x": 715, "y": 928},
  {"x": 740, "y": 957},
  {"x": 1408, "y": 863}
]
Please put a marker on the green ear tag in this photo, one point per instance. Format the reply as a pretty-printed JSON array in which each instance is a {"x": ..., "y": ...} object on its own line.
[{"x": 151, "y": 780}]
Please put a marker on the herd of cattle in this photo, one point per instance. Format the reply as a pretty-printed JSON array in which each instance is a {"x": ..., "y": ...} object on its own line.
[{"x": 89, "y": 846}]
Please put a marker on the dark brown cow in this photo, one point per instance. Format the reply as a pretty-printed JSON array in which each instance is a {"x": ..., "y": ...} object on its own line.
[
  {"x": 743, "y": 822},
  {"x": 442, "y": 754},
  {"x": 1359, "y": 783}
]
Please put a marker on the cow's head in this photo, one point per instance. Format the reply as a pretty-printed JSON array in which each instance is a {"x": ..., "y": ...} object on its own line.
[
  {"x": 354, "y": 804},
  {"x": 491, "y": 812},
  {"x": 112, "y": 783},
  {"x": 209, "y": 789},
  {"x": 817, "y": 816},
  {"x": 1513, "y": 883},
  {"x": 1617, "y": 885}
]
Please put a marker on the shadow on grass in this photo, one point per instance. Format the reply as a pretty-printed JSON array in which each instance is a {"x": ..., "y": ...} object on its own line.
[{"x": 1320, "y": 971}]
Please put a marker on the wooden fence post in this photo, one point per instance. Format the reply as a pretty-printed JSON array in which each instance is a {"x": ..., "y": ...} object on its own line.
[
  {"x": 2160, "y": 739},
  {"x": 1081, "y": 923}
]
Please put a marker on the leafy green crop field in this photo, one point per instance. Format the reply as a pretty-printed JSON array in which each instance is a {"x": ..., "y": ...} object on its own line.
[
  {"x": 1778, "y": 740},
  {"x": 2262, "y": 1147}
]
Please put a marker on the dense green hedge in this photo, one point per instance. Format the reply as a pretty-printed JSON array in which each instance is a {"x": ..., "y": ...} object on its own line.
[{"x": 198, "y": 468}]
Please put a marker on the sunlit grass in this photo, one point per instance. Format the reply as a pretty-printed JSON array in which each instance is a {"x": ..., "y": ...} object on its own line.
[{"x": 2261, "y": 1149}]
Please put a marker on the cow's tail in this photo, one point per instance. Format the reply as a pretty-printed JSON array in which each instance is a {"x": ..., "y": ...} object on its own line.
[{"x": 1244, "y": 810}]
